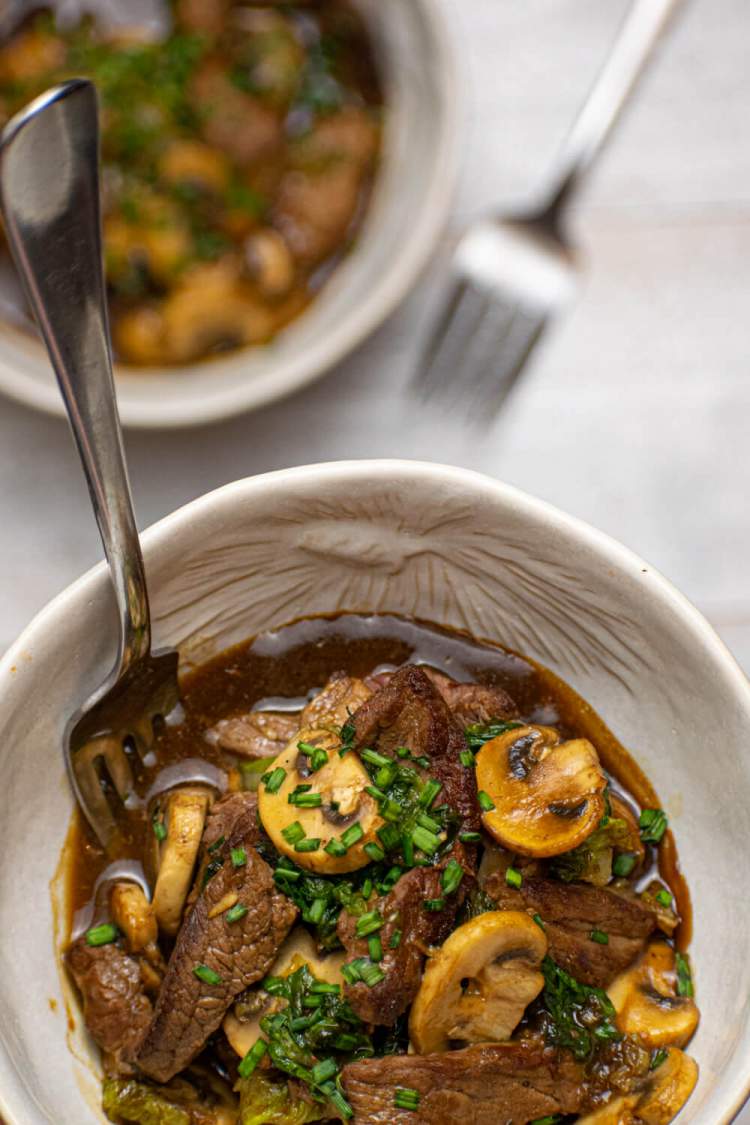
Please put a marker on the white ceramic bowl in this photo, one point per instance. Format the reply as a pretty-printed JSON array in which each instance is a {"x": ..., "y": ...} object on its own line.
[
  {"x": 445, "y": 545},
  {"x": 406, "y": 215}
]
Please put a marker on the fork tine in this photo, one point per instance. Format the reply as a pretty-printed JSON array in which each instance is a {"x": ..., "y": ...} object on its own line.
[
  {"x": 462, "y": 312},
  {"x": 499, "y": 366}
]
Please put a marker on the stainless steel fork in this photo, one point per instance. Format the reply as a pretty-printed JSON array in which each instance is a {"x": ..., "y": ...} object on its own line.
[
  {"x": 49, "y": 193},
  {"x": 512, "y": 275}
]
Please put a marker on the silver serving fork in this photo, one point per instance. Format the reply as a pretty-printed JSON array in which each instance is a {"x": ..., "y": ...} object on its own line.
[
  {"x": 49, "y": 193},
  {"x": 513, "y": 275}
]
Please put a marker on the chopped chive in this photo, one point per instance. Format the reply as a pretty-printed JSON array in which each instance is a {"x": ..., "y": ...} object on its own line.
[
  {"x": 275, "y": 779},
  {"x": 600, "y": 937},
  {"x": 425, "y": 840},
  {"x": 470, "y": 837},
  {"x": 429, "y": 823},
  {"x": 434, "y": 904},
  {"x": 403, "y": 751},
  {"x": 323, "y": 1070},
  {"x": 684, "y": 976},
  {"x": 276, "y": 986},
  {"x": 302, "y": 788},
  {"x": 395, "y": 941},
  {"x": 252, "y": 1058},
  {"x": 216, "y": 845},
  {"x": 429, "y": 793},
  {"x": 385, "y": 775},
  {"x": 657, "y": 1058},
  {"x": 102, "y": 935},
  {"x": 653, "y": 823},
  {"x": 467, "y": 758},
  {"x": 452, "y": 876},
  {"x": 315, "y": 911},
  {"x": 485, "y": 801},
  {"x": 159, "y": 830},
  {"x": 623, "y": 865},
  {"x": 424, "y": 762},
  {"x": 305, "y": 800},
  {"x": 514, "y": 878},
  {"x": 376, "y": 794},
  {"x": 375, "y": 759},
  {"x": 283, "y": 874},
  {"x": 366, "y": 889},
  {"x": 389, "y": 837},
  {"x": 552, "y": 1119},
  {"x": 325, "y": 989},
  {"x": 306, "y": 748},
  {"x": 391, "y": 810},
  {"x": 238, "y": 857},
  {"x": 301, "y": 1023},
  {"x": 349, "y": 974},
  {"x": 337, "y": 1099},
  {"x": 392, "y": 876},
  {"x": 345, "y": 1042},
  {"x": 538, "y": 919},
  {"x": 318, "y": 759},
  {"x": 352, "y": 835},
  {"x": 235, "y": 913},
  {"x": 312, "y": 1002},
  {"x": 375, "y": 948},
  {"x": 369, "y": 923},
  {"x": 293, "y": 832},
  {"x": 407, "y": 847},
  {"x": 664, "y": 898},
  {"x": 207, "y": 975},
  {"x": 406, "y": 1098},
  {"x": 310, "y": 845},
  {"x": 335, "y": 847},
  {"x": 371, "y": 974},
  {"x": 374, "y": 851}
]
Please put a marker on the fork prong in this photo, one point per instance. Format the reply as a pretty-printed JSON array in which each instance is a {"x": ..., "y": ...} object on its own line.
[
  {"x": 497, "y": 368},
  {"x": 461, "y": 313}
]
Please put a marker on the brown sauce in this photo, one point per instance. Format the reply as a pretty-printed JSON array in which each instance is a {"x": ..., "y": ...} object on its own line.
[{"x": 286, "y": 665}]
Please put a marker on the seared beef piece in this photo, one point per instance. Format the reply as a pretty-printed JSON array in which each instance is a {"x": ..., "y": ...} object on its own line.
[
  {"x": 409, "y": 711},
  {"x": 570, "y": 912},
  {"x": 258, "y": 734},
  {"x": 473, "y": 703},
  {"x": 496, "y": 1084},
  {"x": 404, "y": 911},
  {"x": 189, "y": 1010},
  {"x": 332, "y": 706},
  {"x": 116, "y": 1010}
]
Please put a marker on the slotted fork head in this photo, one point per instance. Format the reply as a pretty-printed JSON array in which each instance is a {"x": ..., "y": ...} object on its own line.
[
  {"x": 510, "y": 278},
  {"x": 123, "y": 716}
]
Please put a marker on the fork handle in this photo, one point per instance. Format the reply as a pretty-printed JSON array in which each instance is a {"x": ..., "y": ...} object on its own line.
[
  {"x": 49, "y": 193},
  {"x": 644, "y": 26}
]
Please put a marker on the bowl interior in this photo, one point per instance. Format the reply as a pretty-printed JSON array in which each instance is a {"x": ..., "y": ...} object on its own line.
[
  {"x": 406, "y": 213},
  {"x": 444, "y": 545}
]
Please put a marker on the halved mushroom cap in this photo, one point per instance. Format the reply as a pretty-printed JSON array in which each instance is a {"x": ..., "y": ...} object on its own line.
[
  {"x": 341, "y": 782},
  {"x": 477, "y": 986},
  {"x": 667, "y": 1089},
  {"x": 298, "y": 949},
  {"x": 184, "y": 818},
  {"x": 548, "y": 795},
  {"x": 617, "y": 1112},
  {"x": 647, "y": 1001}
]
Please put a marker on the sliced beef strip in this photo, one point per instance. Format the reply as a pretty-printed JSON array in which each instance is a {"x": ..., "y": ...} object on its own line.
[
  {"x": 473, "y": 703},
  {"x": 404, "y": 911},
  {"x": 189, "y": 1010},
  {"x": 409, "y": 711},
  {"x": 258, "y": 734},
  {"x": 496, "y": 1084},
  {"x": 336, "y": 702},
  {"x": 570, "y": 912},
  {"x": 116, "y": 1010}
]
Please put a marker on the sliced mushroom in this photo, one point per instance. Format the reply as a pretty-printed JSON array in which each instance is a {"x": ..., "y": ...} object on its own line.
[
  {"x": 548, "y": 795},
  {"x": 477, "y": 986},
  {"x": 298, "y": 949},
  {"x": 134, "y": 915},
  {"x": 184, "y": 818},
  {"x": 617, "y": 1112},
  {"x": 667, "y": 1089},
  {"x": 648, "y": 1003},
  {"x": 342, "y": 784},
  {"x": 269, "y": 262}
]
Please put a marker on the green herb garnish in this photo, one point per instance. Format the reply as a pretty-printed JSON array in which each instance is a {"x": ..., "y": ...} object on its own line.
[
  {"x": 104, "y": 934},
  {"x": 479, "y": 733},
  {"x": 576, "y": 1017},
  {"x": 206, "y": 974},
  {"x": 653, "y": 823},
  {"x": 406, "y": 1098}
]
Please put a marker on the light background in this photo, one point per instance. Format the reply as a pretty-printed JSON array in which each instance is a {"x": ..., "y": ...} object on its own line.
[{"x": 635, "y": 414}]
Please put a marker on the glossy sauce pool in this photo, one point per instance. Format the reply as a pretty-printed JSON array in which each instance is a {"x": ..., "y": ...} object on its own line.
[{"x": 282, "y": 668}]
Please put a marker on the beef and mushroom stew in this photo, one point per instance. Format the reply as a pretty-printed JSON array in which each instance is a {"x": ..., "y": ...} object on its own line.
[
  {"x": 428, "y": 886},
  {"x": 238, "y": 156}
]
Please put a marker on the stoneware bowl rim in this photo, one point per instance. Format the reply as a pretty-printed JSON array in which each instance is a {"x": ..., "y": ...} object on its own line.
[{"x": 534, "y": 512}]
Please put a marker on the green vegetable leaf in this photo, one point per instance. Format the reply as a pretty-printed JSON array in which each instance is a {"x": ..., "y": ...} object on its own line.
[
  {"x": 267, "y": 1102},
  {"x": 139, "y": 1104},
  {"x": 479, "y": 733},
  {"x": 576, "y": 1016}
]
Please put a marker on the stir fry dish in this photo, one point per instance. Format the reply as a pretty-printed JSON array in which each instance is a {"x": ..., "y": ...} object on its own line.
[
  {"x": 238, "y": 158},
  {"x": 425, "y": 886}
]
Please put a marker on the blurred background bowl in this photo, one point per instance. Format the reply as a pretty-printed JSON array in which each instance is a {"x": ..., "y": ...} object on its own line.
[
  {"x": 445, "y": 545},
  {"x": 405, "y": 217}
]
